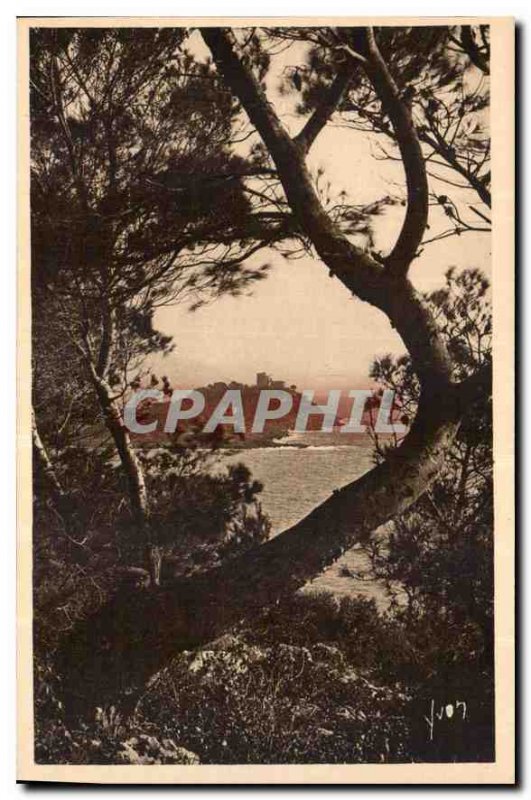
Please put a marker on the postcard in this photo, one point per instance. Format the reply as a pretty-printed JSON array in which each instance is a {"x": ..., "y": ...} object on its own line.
[{"x": 266, "y": 400}]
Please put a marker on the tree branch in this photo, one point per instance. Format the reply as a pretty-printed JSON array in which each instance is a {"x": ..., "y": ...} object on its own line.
[
  {"x": 107, "y": 337},
  {"x": 476, "y": 387},
  {"x": 314, "y": 125},
  {"x": 362, "y": 274},
  {"x": 448, "y": 153},
  {"x": 399, "y": 114},
  {"x": 468, "y": 43},
  {"x": 45, "y": 465}
]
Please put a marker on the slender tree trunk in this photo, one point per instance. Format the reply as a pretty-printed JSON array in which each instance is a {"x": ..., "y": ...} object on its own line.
[
  {"x": 63, "y": 502},
  {"x": 44, "y": 464},
  {"x": 132, "y": 469},
  {"x": 122, "y": 441}
]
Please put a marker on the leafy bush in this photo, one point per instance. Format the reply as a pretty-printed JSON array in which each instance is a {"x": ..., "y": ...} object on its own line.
[
  {"x": 106, "y": 740},
  {"x": 283, "y": 704}
]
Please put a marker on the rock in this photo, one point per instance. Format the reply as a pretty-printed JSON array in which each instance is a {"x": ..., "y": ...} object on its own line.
[{"x": 146, "y": 750}]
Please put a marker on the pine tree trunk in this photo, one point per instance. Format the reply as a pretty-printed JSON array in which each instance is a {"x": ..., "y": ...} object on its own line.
[
  {"x": 132, "y": 469},
  {"x": 44, "y": 463}
]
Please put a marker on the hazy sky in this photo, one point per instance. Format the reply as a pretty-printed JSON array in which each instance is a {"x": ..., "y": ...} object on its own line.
[{"x": 300, "y": 325}]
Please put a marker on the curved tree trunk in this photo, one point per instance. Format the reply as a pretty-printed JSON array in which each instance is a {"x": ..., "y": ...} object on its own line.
[{"x": 115, "y": 652}]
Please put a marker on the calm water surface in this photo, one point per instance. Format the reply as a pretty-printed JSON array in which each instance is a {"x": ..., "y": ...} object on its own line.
[{"x": 298, "y": 479}]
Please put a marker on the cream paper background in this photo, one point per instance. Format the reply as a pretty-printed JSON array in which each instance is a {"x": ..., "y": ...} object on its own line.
[{"x": 502, "y": 132}]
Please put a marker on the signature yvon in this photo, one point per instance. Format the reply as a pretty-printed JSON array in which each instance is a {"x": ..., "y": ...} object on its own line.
[{"x": 456, "y": 710}]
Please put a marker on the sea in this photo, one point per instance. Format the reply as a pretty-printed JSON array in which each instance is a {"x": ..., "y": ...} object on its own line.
[{"x": 299, "y": 472}]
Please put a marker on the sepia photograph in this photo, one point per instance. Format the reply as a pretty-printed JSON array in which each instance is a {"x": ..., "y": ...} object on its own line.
[{"x": 267, "y": 276}]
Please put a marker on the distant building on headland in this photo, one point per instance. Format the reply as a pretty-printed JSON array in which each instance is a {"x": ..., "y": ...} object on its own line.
[
  {"x": 275, "y": 427},
  {"x": 265, "y": 381}
]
